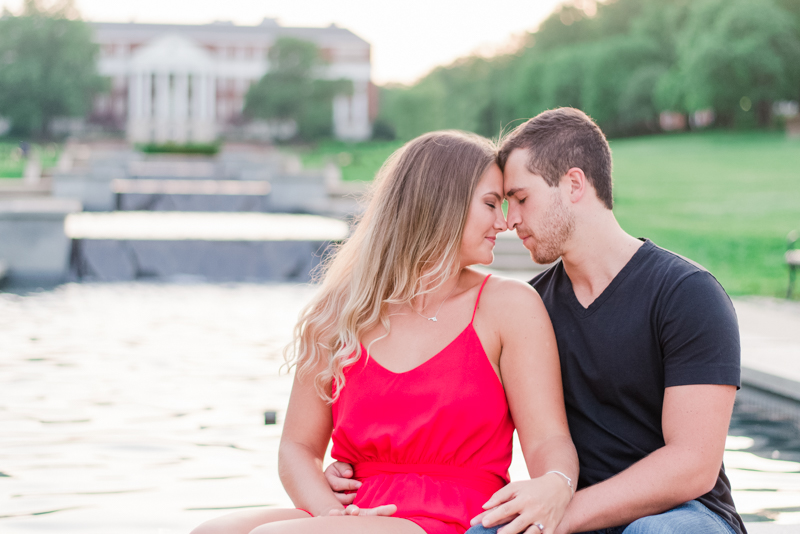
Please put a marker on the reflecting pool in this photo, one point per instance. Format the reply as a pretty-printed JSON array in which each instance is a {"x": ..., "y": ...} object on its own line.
[{"x": 131, "y": 408}]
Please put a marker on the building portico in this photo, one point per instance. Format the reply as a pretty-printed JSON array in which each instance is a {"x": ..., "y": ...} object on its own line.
[
  {"x": 187, "y": 84},
  {"x": 171, "y": 93}
]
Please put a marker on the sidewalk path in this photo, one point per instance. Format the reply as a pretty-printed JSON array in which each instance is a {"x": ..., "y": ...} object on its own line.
[{"x": 770, "y": 331}]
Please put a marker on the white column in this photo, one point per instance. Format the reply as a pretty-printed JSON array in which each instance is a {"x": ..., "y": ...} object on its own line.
[
  {"x": 180, "y": 107},
  {"x": 162, "y": 104},
  {"x": 341, "y": 116},
  {"x": 134, "y": 96},
  {"x": 180, "y": 96},
  {"x": 360, "y": 111},
  {"x": 147, "y": 94},
  {"x": 212, "y": 98}
]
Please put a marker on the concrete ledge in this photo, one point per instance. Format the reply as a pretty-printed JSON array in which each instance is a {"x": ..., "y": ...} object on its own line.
[
  {"x": 771, "y": 383},
  {"x": 33, "y": 244},
  {"x": 771, "y": 528},
  {"x": 180, "y": 226},
  {"x": 196, "y": 260}
]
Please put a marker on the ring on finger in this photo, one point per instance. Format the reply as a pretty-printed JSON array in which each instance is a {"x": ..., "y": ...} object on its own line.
[{"x": 540, "y": 527}]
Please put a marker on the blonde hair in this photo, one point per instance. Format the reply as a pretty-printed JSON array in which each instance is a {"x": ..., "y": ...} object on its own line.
[{"x": 407, "y": 244}]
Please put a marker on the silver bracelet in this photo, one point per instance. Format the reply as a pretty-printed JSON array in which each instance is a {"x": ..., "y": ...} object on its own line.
[{"x": 569, "y": 480}]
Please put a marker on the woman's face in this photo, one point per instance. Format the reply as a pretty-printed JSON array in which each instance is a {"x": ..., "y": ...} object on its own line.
[{"x": 484, "y": 220}]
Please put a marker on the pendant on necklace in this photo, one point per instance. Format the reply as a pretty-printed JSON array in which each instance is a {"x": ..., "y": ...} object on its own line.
[{"x": 432, "y": 319}]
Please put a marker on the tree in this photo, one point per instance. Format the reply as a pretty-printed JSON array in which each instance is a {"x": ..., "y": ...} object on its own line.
[
  {"x": 291, "y": 90},
  {"x": 735, "y": 52},
  {"x": 47, "y": 66}
]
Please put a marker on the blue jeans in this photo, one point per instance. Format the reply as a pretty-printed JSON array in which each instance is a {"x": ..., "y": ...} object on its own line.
[{"x": 689, "y": 517}]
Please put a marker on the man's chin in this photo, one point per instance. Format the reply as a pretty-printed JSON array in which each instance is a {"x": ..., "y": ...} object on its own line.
[{"x": 544, "y": 258}]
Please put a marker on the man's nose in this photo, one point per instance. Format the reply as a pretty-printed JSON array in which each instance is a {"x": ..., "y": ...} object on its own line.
[{"x": 512, "y": 218}]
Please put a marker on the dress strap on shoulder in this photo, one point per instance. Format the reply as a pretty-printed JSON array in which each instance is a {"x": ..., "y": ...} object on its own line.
[{"x": 479, "y": 298}]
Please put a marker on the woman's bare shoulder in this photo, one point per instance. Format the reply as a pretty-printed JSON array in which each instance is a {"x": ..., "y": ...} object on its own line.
[{"x": 510, "y": 291}]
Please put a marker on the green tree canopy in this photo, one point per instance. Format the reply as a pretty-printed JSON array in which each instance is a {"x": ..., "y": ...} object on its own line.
[
  {"x": 623, "y": 62},
  {"x": 732, "y": 50},
  {"x": 47, "y": 66},
  {"x": 292, "y": 89}
]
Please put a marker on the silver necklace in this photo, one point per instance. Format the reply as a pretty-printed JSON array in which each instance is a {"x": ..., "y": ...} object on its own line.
[{"x": 439, "y": 308}]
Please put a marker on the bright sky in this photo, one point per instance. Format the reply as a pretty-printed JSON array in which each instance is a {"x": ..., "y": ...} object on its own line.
[{"x": 408, "y": 37}]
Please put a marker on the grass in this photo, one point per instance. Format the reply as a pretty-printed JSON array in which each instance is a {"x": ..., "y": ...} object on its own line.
[
  {"x": 12, "y": 164},
  {"x": 358, "y": 161},
  {"x": 724, "y": 199},
  {"x": 203, "y": 149}
]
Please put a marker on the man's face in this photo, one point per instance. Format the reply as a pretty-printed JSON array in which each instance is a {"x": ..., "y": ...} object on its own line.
[{"x": 535, "y": 210}]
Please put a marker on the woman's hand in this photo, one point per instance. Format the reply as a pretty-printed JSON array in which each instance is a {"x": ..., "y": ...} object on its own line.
[
  {"x": 385, "y": 510},
  {"x": 540, "y": 501},
  {"x": 340, "y": 478}
]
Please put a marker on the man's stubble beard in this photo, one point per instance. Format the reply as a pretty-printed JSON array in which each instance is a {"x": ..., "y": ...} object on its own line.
[{"x": 557, "y": 227}]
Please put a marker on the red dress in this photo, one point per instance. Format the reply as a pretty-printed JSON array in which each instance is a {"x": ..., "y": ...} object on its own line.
[{"x": 435, "y": 440}]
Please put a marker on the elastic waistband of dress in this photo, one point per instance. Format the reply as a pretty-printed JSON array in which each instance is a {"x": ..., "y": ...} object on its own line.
[{"x": 477, "y": 479}]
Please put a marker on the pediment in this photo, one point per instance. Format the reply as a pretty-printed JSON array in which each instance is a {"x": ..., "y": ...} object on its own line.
[{"x": 172, "y": 53}]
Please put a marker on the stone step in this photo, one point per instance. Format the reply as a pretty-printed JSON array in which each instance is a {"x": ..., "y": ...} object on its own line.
[{"x": 211, "y": 247}]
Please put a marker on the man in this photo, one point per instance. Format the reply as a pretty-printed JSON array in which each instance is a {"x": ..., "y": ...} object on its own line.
[{"x": 648, "y": 341}]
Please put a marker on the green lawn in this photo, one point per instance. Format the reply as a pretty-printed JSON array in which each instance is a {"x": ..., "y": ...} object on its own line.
[
  {"x": 12, "y": 164},
  {"x": 358, "y": 161},
  {"x": 724, "y": 199}
]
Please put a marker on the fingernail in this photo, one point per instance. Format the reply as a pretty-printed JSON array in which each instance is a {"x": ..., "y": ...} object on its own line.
[
  {"x": 358, "y": 484},
  {"x": 348, "y": 473}
]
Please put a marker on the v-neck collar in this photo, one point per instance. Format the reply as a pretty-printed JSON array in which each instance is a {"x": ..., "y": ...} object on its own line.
[{"x": 568, "y": 293}]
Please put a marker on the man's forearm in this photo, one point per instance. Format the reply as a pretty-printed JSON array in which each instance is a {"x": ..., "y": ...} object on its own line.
[{"x": 666, "y": 478}]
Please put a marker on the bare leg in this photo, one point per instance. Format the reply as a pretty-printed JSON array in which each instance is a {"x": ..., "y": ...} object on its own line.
[
  {"x": 341, "y": 525},
  {"x": 245, "y": 521}
]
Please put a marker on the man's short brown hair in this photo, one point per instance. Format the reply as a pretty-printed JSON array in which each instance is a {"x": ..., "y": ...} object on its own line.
[{"x": 558, "y": 140}]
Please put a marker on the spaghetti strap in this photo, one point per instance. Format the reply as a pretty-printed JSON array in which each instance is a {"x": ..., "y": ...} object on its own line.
[{"x": 479, "y": 298}]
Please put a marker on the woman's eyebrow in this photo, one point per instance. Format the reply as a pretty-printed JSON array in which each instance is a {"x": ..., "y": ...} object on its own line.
[{"x": 495, "y": 194}]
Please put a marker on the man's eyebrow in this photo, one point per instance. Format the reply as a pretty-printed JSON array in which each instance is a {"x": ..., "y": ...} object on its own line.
[{"x": 513, "y": 191}]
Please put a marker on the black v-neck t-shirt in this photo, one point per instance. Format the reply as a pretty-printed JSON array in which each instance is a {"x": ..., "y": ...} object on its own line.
[{"x": 662, "y": 321}]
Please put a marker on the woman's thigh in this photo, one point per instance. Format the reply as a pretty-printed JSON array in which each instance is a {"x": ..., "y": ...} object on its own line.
[
  {"x": 245, "y": 521},
  {"x": 341, "y": 525}
]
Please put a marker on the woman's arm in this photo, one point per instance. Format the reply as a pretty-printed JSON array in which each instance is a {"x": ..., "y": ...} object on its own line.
[
  {"x": 531, "y": 375},
  {"x": 306, "y": 432}
]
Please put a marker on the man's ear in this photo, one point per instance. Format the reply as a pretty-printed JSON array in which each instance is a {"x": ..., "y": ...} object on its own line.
[{"x": 576, "y": 183}]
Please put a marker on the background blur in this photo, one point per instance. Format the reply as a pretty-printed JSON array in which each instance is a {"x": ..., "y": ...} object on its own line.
[{"x": 172, "y": 173}]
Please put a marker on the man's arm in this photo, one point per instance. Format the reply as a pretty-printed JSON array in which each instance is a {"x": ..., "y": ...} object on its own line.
[{"x": 695, "y": 421}]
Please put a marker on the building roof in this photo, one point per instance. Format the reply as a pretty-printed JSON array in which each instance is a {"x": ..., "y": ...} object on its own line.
[{"x": 222, "y": 32}]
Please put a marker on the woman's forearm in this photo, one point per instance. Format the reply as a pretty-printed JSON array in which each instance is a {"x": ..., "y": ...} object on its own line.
[
  {"x": 555, "y": 454},
  {"x": 300, "y": 471}
]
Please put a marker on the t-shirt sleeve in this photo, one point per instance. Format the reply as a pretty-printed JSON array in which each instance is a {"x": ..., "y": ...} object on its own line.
[{"x": 699, "y": 334}]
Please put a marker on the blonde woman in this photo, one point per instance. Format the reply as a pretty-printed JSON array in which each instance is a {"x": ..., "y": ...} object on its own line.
[{"x": 416, "y": 365}]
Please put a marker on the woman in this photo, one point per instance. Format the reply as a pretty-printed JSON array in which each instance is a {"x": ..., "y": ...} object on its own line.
[{"x": 415, "y": 364}]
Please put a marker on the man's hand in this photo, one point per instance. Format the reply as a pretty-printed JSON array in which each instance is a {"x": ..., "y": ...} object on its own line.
[
  {"x": 340, "y": 478},
  {"x": 541, "y": 501}
]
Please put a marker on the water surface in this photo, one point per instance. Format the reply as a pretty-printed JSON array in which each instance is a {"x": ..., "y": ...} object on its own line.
[{"x": 139, "y": 407}]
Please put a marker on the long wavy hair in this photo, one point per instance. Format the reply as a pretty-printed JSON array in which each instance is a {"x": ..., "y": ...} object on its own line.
[{"x": 407, "y": 244}]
